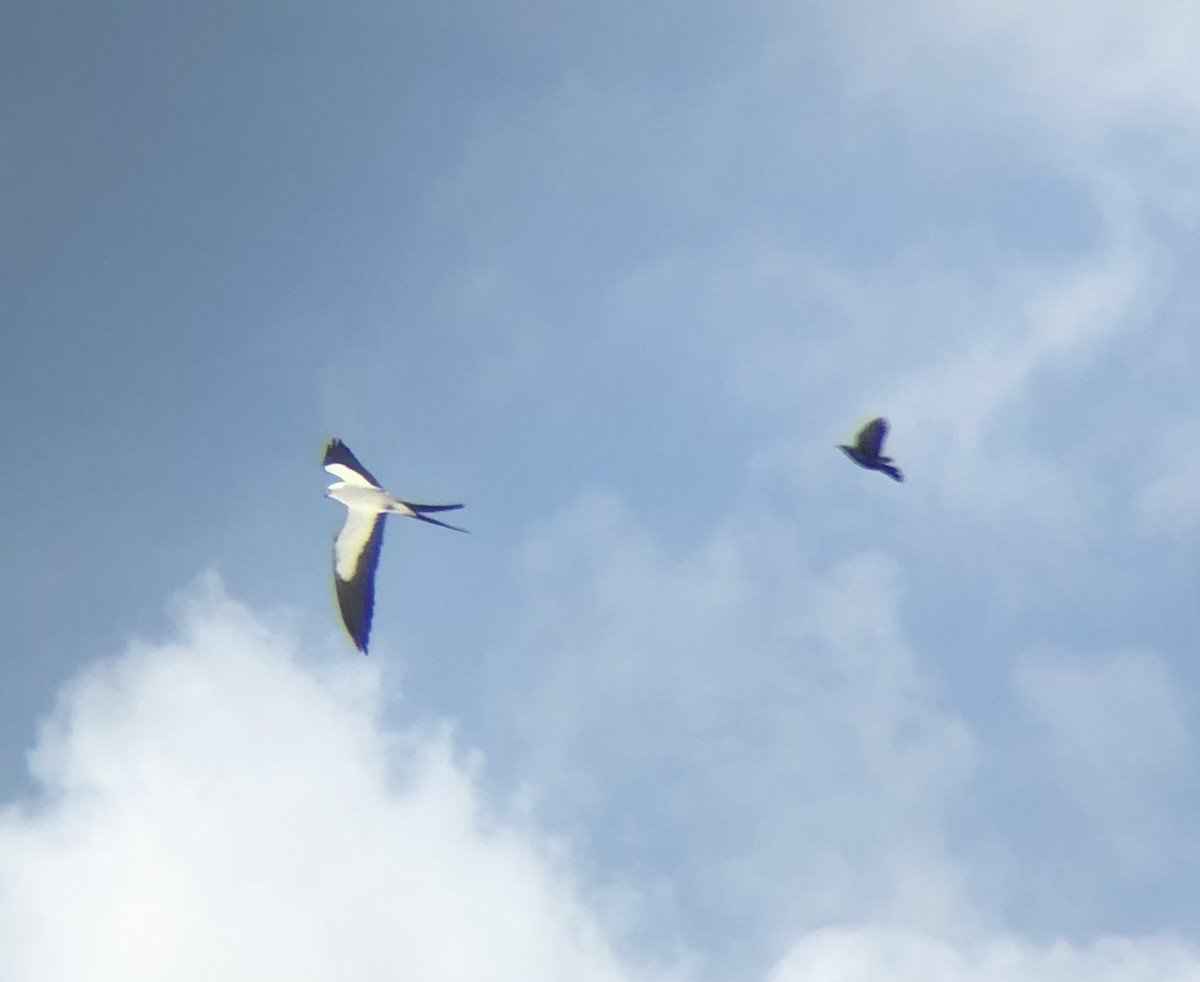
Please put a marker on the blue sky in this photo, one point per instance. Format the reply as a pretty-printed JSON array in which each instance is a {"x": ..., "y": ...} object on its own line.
[{"x": 697, "y": 699}]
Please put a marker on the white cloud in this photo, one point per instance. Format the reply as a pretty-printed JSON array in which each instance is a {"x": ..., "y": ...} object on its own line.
[
  {"x": 967, "y": 363},
  {"x": 214, "y": 809},
  {"x": 1080, "y": 69},
  {"x": 1106, "y": 93},
  {"x": 877, "y": 954},
  {"x": 971, "y": 401}
]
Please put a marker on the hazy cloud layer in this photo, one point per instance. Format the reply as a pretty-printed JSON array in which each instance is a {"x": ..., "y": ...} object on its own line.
[
  {"x": 1121, "y": 746},
  {"x": 871, "y": 954},
  {"x": 792, "y": 758}
]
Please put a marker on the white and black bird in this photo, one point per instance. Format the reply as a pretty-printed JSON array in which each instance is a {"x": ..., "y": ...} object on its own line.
[
  {"x": 867, "y": 450},
  {"x": 356, "y": 548}
]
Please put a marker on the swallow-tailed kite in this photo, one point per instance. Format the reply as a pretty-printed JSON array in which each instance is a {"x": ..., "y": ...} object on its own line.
[
  {"x": 356, "y": 548},
  {"x": 868, "y": 449}
]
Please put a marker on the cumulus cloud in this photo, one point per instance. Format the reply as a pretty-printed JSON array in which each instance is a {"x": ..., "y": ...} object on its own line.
[
  {"x": 216, "y": 806},
  {"x": 212, "y": 807}
]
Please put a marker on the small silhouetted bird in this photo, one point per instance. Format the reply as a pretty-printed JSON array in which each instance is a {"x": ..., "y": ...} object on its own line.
[{"x": 868, "y": 447}]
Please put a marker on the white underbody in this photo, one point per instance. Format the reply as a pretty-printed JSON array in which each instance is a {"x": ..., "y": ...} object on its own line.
[
  {"x": 364, "y": 503},
  {"x": 366, "y": 498}
]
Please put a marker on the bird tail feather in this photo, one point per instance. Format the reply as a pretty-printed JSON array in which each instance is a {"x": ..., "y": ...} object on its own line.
[{"x": 420, "y": 512}]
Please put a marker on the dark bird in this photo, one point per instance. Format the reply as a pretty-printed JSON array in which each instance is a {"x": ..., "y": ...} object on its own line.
[
  {"x": 868, "y": 449},
  {"x": 356, "y": 548}
]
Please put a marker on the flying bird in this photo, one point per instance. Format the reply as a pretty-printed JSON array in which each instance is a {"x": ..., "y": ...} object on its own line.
[
  {"x": 868, "y": 449},
  {"x": 356, "y": 548}
]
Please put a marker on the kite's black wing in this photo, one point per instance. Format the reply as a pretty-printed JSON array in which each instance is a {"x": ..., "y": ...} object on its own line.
[{"x": 337, "y": 453}]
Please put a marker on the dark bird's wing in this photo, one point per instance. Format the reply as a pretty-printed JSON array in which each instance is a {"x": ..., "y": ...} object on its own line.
[
  {"x": 341, "y": 463},
  {"x": 355, "y": 557},
  {"x": 869, "y": 441}
]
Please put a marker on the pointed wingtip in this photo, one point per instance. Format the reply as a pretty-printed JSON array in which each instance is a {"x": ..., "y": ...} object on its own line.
[
  {"x": 359, "y": 635},
  {"x": 335, "y": 452},
  {"x": 338, "y": 456}
]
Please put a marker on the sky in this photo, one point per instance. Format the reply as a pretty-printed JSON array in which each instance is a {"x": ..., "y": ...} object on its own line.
[{"x": 697, "y": 700}]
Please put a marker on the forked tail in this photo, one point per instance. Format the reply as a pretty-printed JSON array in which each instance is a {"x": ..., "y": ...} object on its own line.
[{"x": 421, "y": 512}]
